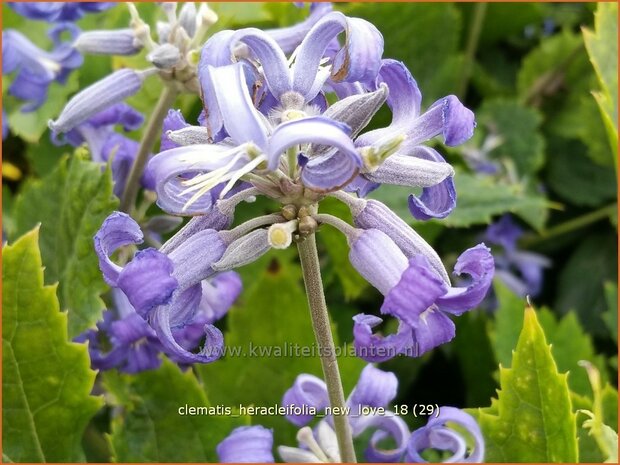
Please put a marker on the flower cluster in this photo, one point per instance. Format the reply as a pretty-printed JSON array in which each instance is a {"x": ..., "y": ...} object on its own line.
[
  {"x": 36, "y": 69},
  {"x": 267, "y": 129},
  {"x": 376, "y": 389}
]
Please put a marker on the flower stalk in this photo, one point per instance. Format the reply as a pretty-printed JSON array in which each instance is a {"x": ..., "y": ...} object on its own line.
[
  {"x": 322, "y": 330},
  {"x": 151, "y": 133}
]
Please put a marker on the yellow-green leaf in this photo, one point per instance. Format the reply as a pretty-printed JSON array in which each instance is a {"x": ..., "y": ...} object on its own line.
[
  {"x": 532, "y": 418},
  {"x": 46, "y": 380}
]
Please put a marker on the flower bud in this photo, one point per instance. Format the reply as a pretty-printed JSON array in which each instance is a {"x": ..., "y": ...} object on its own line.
[
  {"x": 281, "y": 234},
  {"x": 116, "y": 42}
]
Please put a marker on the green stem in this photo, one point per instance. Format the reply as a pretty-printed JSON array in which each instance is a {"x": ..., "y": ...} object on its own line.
[
  {"x": 480, "y": 11},
  {"x": 150, "y": 135},
  {"x": 327, "y": 352},
  {"x": 572, "y": 225}
]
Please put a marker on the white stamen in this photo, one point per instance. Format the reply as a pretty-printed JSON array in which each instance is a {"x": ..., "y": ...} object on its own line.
[
  {"x": 306, "y": 437},
  {"x": 280, "y": 236}
]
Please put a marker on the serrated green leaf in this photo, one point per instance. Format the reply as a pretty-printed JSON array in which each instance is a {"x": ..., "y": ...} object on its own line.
[
  {"x": 70, "y": 203},
  {"x": 46, "y": 381},
  {"x": 270, "y": 327},
  {"x": 602, "y": 46},
  {"x": 518, "y": 127},
  {"x": 569, "y": 343},
  {"x": 149, "y": 427},
  {"x": 532, "y": 419}
]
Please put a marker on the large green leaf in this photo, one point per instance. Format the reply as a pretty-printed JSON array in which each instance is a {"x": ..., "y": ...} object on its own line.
[
  {"x": 46, "y": 381},
  {"x": 148, "y": 426},
  {"x": 569, "y": 343},
  {"x": 270, "y": 341},
  {"x": 602, "y": 46},
  {"x": 518, "y": 127},
  {"x": 70, "y": 203},
  {"x": 532, "y": 418}
]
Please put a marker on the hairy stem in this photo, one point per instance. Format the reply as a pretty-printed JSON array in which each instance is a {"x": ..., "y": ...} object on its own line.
[
  {"x": 322, "y": 331},
  {"x": 150, "y": 135}
]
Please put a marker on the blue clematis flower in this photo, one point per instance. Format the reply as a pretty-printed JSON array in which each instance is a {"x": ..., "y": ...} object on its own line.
[
  {"x": 419, "y": 297},
  {"x": 132, "y": 345},
  {"x": 35, "y": 68},
  {"x": 99, "y": 133},
  {"x": 58, "y": 11},
  {"x": 439, "y": 436},
  {"x": 375, "y": 388},
  {"x": 520, "y": 270}
]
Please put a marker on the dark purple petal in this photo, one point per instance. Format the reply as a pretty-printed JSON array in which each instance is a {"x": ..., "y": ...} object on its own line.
[
  {"x": 437, "y": 435},
  {"x": 504, "y": 232},
  {"x": 247, "y": 444},
  {"x": 211, "y": 351},
  {"x": 121, "y": 113},
  {"x": 377, "y": 348},
  {"x": 117, "y": 230},
  {"x": 388, "y": 426},
  {"x": 478, "y": 263},
  {"x": 174, "y": 120},
  {"x": 436, "y": 201},
  {"x": 375, "y": 388},
  {"x": 378, "y": 259},
  {"x": 433, "y": 329},
  {"x": 147, "y": 280},
  {"x": 308, "y": 391},
  {"x": 358, "y": 60},
  {"x": 418, "y": 289}
]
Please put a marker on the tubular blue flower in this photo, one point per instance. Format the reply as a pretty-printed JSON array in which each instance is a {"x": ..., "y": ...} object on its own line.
[
  {"x": 415, "y": 294},
  {"x": 134, "y": 345},
  {"x": 375, "y": 388},
  {"x": 58, "y": 11},
  {"x": 447, "y": 117},
  {"x": 98, "y": 97},
  {"x": 184, "y": 174},
  {"x": 521, "y": 271},
  {"x": 114, "y": 42},
  {"x": 103, "y": 142},
  {"x": 247, "y": 444},
  {"x": 358, "y": 60},
  {"x": 437, "y": 435},
  {"x": 36, "y": 69},
  {"x": 168, "y": 287}
]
